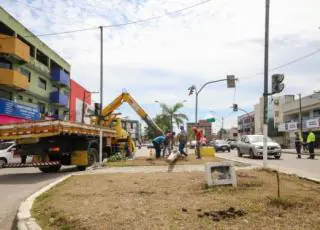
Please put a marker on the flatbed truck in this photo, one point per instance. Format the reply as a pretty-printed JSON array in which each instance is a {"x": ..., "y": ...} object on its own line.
[{"x": 56, "y": 143}]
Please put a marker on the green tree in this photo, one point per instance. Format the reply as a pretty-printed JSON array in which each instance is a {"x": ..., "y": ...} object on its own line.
[{"x": 171, "y": 113}]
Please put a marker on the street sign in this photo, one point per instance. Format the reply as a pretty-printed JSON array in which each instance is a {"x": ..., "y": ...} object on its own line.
[{"x": 211, "y": 120}]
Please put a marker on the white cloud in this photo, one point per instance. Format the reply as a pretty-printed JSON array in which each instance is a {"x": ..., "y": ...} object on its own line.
[{"x": 159, "y": 60}]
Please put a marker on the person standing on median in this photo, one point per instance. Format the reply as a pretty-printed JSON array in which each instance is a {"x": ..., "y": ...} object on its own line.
[
  {"x": 182, "y": 138},
  {"x": 198, "y": 135},
  {"x": 298, "y": 142},
  {"x": 311, "y": 139}
]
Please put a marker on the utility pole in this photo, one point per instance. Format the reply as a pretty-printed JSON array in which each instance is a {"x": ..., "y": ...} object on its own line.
[
  {"x": 265, "y": 93},
  {"x": 300, "y": 115},
  {"x": 101, "y": 93}
]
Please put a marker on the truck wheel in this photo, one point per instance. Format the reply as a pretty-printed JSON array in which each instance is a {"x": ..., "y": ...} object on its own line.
[
  {"x": 92, "y": 156},
  {"x": 50, "y": 169}
]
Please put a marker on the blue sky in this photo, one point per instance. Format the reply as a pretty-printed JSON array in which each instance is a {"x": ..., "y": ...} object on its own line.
[{"x": 159, "y": 60}]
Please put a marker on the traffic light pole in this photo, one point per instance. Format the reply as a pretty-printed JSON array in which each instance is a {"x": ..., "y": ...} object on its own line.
[
  {"x": 199, "y": 91},
  {"x": 265, "y": 93}
]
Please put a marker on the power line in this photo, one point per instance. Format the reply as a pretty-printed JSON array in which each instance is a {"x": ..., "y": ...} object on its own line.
[
  {"x": 120, "y": 24},
  {"x": 287, "y": 63}
]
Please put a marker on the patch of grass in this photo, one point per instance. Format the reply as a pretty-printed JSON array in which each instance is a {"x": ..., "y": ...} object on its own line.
[
  {"x": 283, "y": 202},
  {"x": 179, "y": 201}
]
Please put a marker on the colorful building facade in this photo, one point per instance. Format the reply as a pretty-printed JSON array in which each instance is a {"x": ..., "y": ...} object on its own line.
[
  {"x": 34, "y": 80},
  {"x": 80, "y": 103}
]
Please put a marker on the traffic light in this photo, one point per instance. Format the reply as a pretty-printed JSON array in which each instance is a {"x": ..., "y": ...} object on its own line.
[
  {"x": 231, "y": 81},
  {"x": 277, "y": 85},
  {"x": 191, "y": 90},
  {"x": 235, "y": 107},
  {"x": 97, "y": 108}
]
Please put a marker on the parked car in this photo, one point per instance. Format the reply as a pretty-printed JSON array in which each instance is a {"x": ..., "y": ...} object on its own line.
[
  {"x": 221, "y": 145},
  {"x": 7, "y": 154},
  {"x": 252, "y": 145},
  {"x": 232, "y": 143}
]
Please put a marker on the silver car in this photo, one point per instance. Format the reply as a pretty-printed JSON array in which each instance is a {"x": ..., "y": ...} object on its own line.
[{"x": 252, "y": 145}]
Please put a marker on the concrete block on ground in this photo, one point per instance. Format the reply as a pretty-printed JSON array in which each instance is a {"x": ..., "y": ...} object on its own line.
[{"x": 220, "y": 173}]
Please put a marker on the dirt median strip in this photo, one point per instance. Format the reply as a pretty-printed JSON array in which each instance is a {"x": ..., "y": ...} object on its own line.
[{"x": 172, "y": 201}]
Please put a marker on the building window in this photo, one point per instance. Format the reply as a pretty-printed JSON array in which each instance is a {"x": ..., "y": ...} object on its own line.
[
  {"x": 42, "y": 58},
  {"x": 5, "y": 64},
  {"x": 42, "y": 108},
  {"x": 30, "y": 100},
  {"x": 26, "y": 73},
  {"x": 42, "y": 84},
  {"x": 316, "y": 113},
  {"x": 276, "y": 114},
  {"x": 5, "y": 94},
  {"x": 20, "y": 97}
]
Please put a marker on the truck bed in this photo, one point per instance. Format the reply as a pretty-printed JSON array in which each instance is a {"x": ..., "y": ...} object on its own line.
[{"x": 39, "y": 129}]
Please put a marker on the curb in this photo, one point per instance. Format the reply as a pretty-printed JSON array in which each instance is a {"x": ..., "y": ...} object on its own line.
[
  {"x": 303, "y": 154},
  {"x": 285, "y": 171},
  {"x": 24, "y": 219}
]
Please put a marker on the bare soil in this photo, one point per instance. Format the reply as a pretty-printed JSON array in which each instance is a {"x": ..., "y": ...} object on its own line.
[{"x": 179, "y": 201}]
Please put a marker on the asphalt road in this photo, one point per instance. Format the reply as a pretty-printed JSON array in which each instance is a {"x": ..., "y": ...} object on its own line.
[
  {"x": 16, "y": 185},
  {"x": 288, "y": 162}
]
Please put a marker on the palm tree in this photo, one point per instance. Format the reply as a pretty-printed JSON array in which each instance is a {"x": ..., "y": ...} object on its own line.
[{"x": 171, "y": 113}]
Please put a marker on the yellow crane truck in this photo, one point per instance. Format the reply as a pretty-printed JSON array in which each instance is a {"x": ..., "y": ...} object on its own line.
[
  {"x": 56, "y": 143},
  {"x": 111, "y": 120}
]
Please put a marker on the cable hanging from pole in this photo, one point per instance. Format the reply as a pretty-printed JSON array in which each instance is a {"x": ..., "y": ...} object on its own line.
[{"x": 118, "y": 25}]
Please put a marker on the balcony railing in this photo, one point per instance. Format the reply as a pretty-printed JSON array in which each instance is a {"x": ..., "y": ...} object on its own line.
[
  {"x": 13, "y": 47},
  {"x": 13, "y": 79},
  {"x": 59, "y": 98}
]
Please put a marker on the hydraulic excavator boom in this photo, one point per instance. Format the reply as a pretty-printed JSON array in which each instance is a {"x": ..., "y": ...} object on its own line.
[{"x": 126, "y": 97}]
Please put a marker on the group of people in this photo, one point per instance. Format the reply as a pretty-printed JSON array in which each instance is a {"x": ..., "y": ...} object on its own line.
[
  {"x": 166, "y": 142},
  {"x": 299, "y": 143}
]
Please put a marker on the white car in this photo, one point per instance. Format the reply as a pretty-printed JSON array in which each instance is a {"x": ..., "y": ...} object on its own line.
[
  {"x": 7, "y": 154},
  {"x": 252, "y": 145}
]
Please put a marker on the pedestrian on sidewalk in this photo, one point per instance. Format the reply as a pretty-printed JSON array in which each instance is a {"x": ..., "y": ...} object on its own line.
[
  {"x": 157, "y": 143},
  {"x": 298, "y": 143},
  {"x": 311, "y": 139},
  {"x": 198, "y": 134},
  {"x": 182, "y": 138}
]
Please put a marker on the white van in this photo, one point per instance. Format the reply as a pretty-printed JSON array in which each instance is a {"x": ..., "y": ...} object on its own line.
[{"x": 7, "y": 154}]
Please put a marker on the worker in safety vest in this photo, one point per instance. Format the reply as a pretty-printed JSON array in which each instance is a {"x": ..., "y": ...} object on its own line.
[{"x": 311, "y": 139}]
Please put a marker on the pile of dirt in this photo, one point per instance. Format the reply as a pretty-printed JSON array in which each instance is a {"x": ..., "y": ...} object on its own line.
[{"x": 222, "y": 214}]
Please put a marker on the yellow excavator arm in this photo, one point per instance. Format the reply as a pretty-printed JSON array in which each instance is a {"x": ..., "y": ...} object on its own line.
[{"x": 126, "y": 97}]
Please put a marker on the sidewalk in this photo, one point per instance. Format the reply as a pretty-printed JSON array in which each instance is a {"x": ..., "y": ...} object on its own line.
[
  {"x": 293, "y": 151},
  {"x": 304, "y": 168}
]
